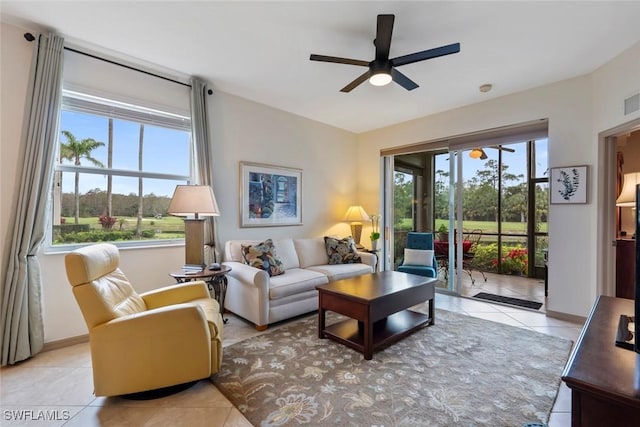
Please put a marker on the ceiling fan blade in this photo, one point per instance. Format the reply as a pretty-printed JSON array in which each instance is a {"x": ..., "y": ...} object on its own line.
[
  {"x": 403, "y": 80},
  {"x": 337, "y": 60},
  {"x": 356, "y": 82},
  {"x": 383, "y": 36},
  {"x": 426, "y": 54}
]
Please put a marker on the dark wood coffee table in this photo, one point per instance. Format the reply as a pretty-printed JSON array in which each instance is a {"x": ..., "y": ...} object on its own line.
[{"x": 377, "y": 307}]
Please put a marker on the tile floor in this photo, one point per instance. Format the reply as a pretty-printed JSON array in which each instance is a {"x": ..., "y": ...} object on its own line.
[
  {"x": 58, "y": 383},
  {"x": 501, "y": 284}
]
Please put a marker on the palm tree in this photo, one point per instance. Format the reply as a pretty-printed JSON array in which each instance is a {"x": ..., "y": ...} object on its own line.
[{"x": 77, "y": 150}]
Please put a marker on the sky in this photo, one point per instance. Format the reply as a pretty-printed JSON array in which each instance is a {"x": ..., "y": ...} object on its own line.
[
  {"x": 516, "y": 161},
  {"x": 164, "y": 151}
]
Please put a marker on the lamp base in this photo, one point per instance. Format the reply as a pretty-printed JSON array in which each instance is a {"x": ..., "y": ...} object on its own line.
[
  {"x": 194, "y": 244},
  {"x": 356, "y": 233}
]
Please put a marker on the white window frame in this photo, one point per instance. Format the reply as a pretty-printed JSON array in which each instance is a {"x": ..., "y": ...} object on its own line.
[{"x": 88, "y": 104}]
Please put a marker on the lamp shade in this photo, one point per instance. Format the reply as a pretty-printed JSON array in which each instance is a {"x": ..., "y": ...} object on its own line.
[
  {"x": 627, "y": 197},
  {"x": 356, "y": 213},
  {"x": 195, "y": 200},
  {"x": 476, "y": 153}
]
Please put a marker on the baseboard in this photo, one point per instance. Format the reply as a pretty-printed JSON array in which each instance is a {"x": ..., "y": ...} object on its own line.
[
  {"x": 55, "y": 345},
  {"x": 565, "y": 316}
]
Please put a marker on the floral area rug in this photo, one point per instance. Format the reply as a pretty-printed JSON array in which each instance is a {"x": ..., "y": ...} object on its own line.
[{"x": 462, "y": 371}]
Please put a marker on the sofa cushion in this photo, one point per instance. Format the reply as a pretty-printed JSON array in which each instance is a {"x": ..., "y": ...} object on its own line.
[
  {"x": 342, "y": 271},
  {"x": 341, "y": 251},
  {"x": 296, "y": 280},
  {"x": 311, "y": 251},
  {"x": 287, "y": 253},
  {"x": 263, "y": 256}
]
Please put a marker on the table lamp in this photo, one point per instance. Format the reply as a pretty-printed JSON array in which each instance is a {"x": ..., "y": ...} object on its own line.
[
  {"x": 196, "y": 200},
  {"x": 627, "y": 197},
  {"x": 355, "y": 215}
]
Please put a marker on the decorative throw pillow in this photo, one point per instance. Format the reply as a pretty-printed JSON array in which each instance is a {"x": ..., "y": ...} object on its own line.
[
  {"x": 341, "y": 251},
  {"x": 263, "y": 256},
  {"x": 422, "y": 257}
]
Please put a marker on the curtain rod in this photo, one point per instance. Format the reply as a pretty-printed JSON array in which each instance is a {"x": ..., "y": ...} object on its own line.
[{"x": 29, "y": 37}]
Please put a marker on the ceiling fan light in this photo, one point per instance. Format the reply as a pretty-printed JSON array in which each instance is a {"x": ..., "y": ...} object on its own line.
[
  {"x": 476, "y": 153},
  {"x": 380, "y": 79}
]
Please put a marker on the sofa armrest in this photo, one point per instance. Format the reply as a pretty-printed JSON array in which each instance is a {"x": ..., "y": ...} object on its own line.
[
  {"x": 369, "y": 259},
  {"x": 248, "y": 275},
  {"x": 175, "y": 294}
]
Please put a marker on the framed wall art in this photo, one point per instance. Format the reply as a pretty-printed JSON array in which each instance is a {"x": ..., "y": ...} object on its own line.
[
  {"x": 270, "y": 195},
  {"x": 568, "y": 184}
]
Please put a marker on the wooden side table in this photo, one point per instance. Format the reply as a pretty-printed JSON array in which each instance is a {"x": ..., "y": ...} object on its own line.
[
  {"x": 216, "y": 282},
  {"x": 604, "y": 379}
]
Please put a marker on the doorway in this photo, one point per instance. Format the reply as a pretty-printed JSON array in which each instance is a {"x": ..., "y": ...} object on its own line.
[
  {"x": 609, "y": 221},
  {"x": 493, "y": 206}
]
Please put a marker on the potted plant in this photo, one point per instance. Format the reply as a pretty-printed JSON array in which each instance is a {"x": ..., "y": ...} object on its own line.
[
  {"x": 443, "y": 233},
  {"x": 375, "y": 231}
]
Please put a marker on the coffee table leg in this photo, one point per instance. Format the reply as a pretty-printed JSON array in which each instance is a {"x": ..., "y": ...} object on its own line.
[
  {"x": 321, "y": 312},
  {"x": 432, "y": 319},
  {"x": 368, "y": 340}
]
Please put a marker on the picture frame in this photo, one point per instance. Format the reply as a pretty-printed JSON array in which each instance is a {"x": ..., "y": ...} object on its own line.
[
  {"x": 568, "y": 185},
  {"x": 270, "y": 196}
]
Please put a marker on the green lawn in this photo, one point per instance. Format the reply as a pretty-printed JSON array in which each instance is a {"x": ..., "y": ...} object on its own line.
[
  {"x": 167, "y": 227},
  {"x": 485, "y": 226}
]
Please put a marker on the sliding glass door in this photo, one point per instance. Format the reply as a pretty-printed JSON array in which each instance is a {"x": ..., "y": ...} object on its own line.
[{"x": 486, "y": 207}]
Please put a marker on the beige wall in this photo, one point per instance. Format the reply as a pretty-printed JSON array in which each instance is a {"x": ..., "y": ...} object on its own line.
[
  {"x": 15, "y": 58},
  {"x": 241, "y": 130}
]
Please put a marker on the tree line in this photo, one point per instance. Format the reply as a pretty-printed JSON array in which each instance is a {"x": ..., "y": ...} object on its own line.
[
  {"x": 480, "y": 196},
  {"x": 93, "y": 204}
]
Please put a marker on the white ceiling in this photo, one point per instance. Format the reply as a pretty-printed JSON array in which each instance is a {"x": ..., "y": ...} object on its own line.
[{"x": 260, "y": 50}]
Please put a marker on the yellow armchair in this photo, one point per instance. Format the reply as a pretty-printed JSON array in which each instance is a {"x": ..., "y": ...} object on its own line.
[{"x": 139, "y": 342}]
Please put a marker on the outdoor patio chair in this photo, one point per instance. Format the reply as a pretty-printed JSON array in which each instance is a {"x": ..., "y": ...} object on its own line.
[{"x": 419, "y": 255}]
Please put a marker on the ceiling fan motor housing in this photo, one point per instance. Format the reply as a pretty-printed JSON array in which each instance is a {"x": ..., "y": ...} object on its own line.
[{"x": 379, "y": 66}]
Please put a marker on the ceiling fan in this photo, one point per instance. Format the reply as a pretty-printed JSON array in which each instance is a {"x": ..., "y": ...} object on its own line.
[
  {"x": 382, "y": 69},
  {"x": 478, "y": 153}
]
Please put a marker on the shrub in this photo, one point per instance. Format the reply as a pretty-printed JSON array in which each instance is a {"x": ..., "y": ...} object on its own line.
[
  {"x": 148, "y": 234},
  {"x": 485, "y": 256},
  {"x": 95, "y": 236},
  {"x": 107, "y": 221},
  {"x": 515, "y": 262}
]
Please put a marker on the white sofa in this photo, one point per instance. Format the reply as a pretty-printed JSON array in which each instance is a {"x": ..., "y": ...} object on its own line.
[{"x": 263, "y": 300}]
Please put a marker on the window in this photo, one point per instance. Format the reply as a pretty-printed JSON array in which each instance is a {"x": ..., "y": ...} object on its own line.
[{"x": 116, "y": 170}]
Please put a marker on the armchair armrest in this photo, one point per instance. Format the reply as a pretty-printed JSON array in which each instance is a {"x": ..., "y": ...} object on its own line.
[
  {"x": 175, "y": 294},
  {"x": 161, "y": 321}
]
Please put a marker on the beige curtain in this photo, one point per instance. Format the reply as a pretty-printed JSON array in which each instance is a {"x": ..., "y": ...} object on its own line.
[
  {"x": 204, "y": 159},
  {"x": 21, "y": 317}
]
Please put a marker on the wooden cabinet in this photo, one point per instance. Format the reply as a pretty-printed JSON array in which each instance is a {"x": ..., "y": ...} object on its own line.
[
  {"x": 604, "y": 379},
  {"x": 625, "y": 268}
]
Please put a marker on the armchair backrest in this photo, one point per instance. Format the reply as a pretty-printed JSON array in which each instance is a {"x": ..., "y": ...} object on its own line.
[
  {"x": 101, "y": 289},
  {"x": 416, "y": 240}
]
